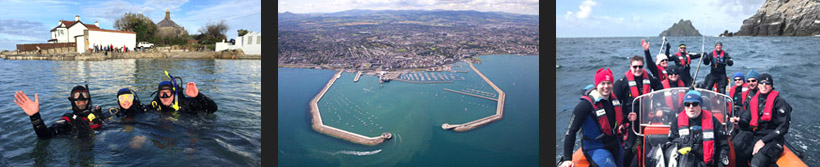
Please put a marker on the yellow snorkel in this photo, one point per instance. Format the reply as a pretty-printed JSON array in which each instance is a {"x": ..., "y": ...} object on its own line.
[{"x": 174, "y": 88}]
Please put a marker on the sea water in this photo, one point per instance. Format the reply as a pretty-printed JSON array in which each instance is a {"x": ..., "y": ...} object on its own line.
[
  {"x": 413, "y": 113},
  {"x": 792, "y": 62},
  {"x": 229, "y": 137}
]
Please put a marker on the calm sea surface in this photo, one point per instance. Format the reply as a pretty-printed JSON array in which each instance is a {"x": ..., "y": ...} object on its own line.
[
  {"x": 792, "y": 61},
  {"x": 413, "y": 113},
  {"x": 229, "y": 137}
]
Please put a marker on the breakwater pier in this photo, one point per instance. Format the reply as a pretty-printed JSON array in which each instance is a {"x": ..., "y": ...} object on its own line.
[
  {"x": 320, "y": 127},
  {"x": 499, "y": 113}
]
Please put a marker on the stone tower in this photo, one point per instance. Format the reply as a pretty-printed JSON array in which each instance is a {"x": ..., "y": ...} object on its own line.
[{"x": 168, "y": 28}]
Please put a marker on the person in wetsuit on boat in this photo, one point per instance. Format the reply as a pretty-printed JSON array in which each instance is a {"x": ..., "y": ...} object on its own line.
[
  {"x": 718, "y": 59},
  {"x": 82, "y": 121},
  {"x": 658, "y": 70},
  {"x": 684, "y": 60},
  {"x": 599, "y": 117},
  {"x": 739, "y": 86},
  {"x": 195, "y": 102},
  {"x": 742, "y": 101},
  {"x": 767, "y": 122},
  {"x": 635, "y": 82},
  {"x": 700, "y": 136}
]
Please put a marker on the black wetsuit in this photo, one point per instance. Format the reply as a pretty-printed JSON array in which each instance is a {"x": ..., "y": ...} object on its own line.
[
  {"x": 745, "y": 104},
  {"x": 771, "y": 132},
  {"x": 656, "y": 72},
  {"x": 650, "y": 64},
  {"x": 135, "y": 109},
  {"x": 741, "y": 107},
  {"x": 200, "y": 104},
  {"x": 695, "y": 140},
  {"x": 622, "y": 91},
  {"x": 736, "y": 98},
  {"x": 718, "y": 70},
  {"x": 70, "y": 123}
]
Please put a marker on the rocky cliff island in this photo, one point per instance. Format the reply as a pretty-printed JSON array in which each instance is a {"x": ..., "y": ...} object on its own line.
[
  {"x": 783, "y": 18},
  {"x": 682, "y": 28}
]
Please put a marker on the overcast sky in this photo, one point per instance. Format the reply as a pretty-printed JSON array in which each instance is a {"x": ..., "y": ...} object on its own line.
[
  {"x": 328, "y": 6},
  {"x": 30, "y": 21},
  {"x": 615, "y": 18}
]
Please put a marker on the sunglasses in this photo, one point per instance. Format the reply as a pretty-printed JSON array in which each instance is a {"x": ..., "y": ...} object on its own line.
[
  {"x": 126, "y": 98},
  {"x": 752, "y": 80},
  {"x": 738, "y": 79},
  {"x": 637, "y": 67},
  {"x": 765, "y": 82},
  {"x": 663, "y": 60},
  {"x": 691, "y": 104},
  {"x": 673, "y": 73}
]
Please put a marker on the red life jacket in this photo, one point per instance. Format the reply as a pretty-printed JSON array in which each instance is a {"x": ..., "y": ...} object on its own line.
[
  {"x": 767, "y": 111},
  {"x": 717, "y": 58},
  {"x": 743, "y": 88},
  {"x": 633, "y": 86},
  {"x": 708, "y": 132},
  {"x": 744, "y": 95},
  {"x": 662, "y": 76},
  {"x": 600, "y": 114},
  {"x": 666, "y": 84},
  {"x": 669, "y": 101},
  {"x": 684, "y": 62}
]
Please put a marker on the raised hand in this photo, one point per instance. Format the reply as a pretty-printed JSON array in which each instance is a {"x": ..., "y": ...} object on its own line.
[
  {"x": 191, "y": 90},
  {"x": 28, "y": 106},
  {"x": 644, "y": 44}
]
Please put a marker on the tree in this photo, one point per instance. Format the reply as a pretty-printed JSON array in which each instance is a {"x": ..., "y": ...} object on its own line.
[
  {"x": 138, "y": 23},
  {"x": 213, "y": 32},
  {"x": 241, "y": 32}
]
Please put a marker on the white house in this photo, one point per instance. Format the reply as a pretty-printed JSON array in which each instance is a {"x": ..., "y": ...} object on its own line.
[
  {"x": 250, "y": 44},
  {"x": 87, "y": 35}
]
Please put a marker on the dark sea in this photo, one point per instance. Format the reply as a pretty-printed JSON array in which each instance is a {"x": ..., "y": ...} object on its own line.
[
  {"x": 793, "y": 62},
  {"x": 413, "y": 113},
  {"x": 229, "y": 137}
]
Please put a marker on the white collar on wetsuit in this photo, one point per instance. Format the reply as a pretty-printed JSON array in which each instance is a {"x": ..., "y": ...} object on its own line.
[{"x": 595, "y": 95}]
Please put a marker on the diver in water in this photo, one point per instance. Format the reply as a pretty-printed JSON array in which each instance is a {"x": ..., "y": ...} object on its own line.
[
  {"x": 699, "y": 135},
  {"x": 129, "y": 104},
  {"x": 81, "y": 121},
  {"x": 169, "y": 99}
]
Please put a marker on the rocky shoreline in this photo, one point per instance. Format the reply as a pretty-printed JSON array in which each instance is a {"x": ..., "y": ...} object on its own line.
[
  {"x": 173, "y": 54},
  {"x": 783, "y": 18}
]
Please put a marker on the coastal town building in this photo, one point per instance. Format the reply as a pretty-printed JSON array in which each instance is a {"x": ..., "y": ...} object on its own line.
[
  {"x": 168, "y": 28},
  {"x": 86, "y": 36},
  {"x": 250, "y": 44}
]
